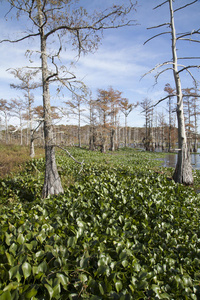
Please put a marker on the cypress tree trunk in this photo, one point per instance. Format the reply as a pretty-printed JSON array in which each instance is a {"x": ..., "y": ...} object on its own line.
[
  {"x": 52, "y": 182},
  {"x": 183, "y": 171}
]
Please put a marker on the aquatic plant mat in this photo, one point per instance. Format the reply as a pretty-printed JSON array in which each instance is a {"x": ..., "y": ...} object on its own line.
[{"x": 120, "y": 231}]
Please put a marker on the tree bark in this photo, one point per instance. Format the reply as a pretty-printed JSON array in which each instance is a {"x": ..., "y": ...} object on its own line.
[
  {"x": 183, "y": 170},
  {"x": 112, "y": 142},
  {"x": 52, "y": 182}
]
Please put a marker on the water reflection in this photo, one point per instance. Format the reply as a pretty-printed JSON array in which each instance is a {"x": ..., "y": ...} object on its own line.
[{"x": 170, "y": 160}]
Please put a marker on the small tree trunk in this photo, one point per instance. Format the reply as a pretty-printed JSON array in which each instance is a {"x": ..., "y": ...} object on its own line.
[
  {"x": 32, "y": 148},
  {"x": 21, "y": 131},
  {"x": 112, "y": 143},
  {"x": 79, "y": 128},
  {"x": 125, "y": 142}
]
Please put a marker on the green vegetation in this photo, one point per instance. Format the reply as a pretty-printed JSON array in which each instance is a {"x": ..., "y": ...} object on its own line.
[{"x": 122, "y": 230}]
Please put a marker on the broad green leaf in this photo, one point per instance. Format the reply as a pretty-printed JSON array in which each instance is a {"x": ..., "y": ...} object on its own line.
[
  {"x": 72, "y": 241},
  {"x": 56, "y": 290},
  {"x": 29, "y": 246},
  {"x": 50, "y": 290},
  {"x": 8, "y": 238},
  {"x": 125, "y": 263},
  {"x": 42, "y": 267},
  {"x": 20, "y": 239},
  {"x": 155, "y": 288},
  {"x": 26, "y": 268},
  {"x": 5, "y": 296},
  {"x": 31, "y": 293},
  {"x": 63, "y": 279},
  {"x": 11, "y": 286},
  {"x": 13, "y": 271},
  {"x": 101, "y": 289},
  {"x": 118, "y": 286},
  {"x": 101, "y": 269},
  {"x": 13, "y": 248},
  {"x": 10, "y": 258}
]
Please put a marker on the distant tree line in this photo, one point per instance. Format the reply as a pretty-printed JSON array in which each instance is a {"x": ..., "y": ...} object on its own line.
[{"x": 98, "y": 123}]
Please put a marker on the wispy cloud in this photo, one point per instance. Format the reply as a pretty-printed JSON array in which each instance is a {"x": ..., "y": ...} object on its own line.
[{"x": 121, "y": 59}]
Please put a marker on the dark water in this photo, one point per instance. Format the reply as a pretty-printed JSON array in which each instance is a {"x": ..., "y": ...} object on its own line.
[{"x": 170, "y": 160}]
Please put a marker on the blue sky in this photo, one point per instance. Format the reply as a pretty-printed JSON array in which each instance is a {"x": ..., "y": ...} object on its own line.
[{"x": 121, "y": 59}]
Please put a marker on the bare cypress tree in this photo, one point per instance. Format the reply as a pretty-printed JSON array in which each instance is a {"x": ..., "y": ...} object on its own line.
[
  {"x": 146, "y": 106},
  {"x": 63, "y": 20},
  {"x": 126, "y": 109},
  {"x": 17, "y": 107},
  {"x": 196, "y": 113},
  {"x": 183, "y": 170},
  {"x": 27, "y": 85},
  {"x": 75, "y": 109},
  {"x": 5, "y": 109}
]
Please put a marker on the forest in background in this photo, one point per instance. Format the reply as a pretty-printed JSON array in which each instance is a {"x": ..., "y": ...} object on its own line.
[{"x": 106, "y": 122}]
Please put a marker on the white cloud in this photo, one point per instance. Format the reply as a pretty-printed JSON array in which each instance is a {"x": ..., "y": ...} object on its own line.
[{"x": 121, "y": 59}]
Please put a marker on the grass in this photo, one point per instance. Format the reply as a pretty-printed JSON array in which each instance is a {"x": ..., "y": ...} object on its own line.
[{"x": 12, "y": 158}]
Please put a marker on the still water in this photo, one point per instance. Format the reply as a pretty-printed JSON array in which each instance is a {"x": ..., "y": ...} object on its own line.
[{"x": 170, "y": 160}]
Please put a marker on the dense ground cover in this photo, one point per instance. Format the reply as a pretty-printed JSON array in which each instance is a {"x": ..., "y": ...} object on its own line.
[{"x": 120, "y": 231}]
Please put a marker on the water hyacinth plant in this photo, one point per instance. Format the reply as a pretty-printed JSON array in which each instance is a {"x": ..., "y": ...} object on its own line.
[{"x": 119, "y": 231}]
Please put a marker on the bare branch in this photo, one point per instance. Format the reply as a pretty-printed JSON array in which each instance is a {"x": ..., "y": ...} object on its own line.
[
  {"x": 158, "y": 66},
  {"x": 158, "y": 75},
  {"x": 53, "y": 62},
  {"x": 160, "y": 4},
  {"x": 188, "y": 67},
  {"x": 156, "y": 36},
  {"x": 195, "y": 82},
  {"x": 158, "y": 26},
  {"x": 21, "y": 39},
  {"x": 78, "y": 162},
  {"x": 185, "y": 5},
  {"x": 181, "y": 35},
  {"x": 171, "y": 95},
  {"x": 190, "y": 40},
  {"x": 88, "y": 27},
  {"x": 197, "y": 57},
  {"x": 191, "y": 95}
]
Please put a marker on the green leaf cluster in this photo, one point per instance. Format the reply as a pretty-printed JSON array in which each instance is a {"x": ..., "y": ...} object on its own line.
[{"x": 120, "y": 231}]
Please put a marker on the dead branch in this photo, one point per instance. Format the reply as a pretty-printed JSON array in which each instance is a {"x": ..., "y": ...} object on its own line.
[
  {"x": 53, "y": 62},
  {"x": 34, "y": 130},
  {"x": 188, "y": 67},
  {"x": 78, "y": 162},
  {"x": 89, "y": 27},
  {"x": 191, "y": 95},
  {"x": 197, "y": 57},
  {"x": 156, "y": 36},
  {"x": 158, "y": 66},
  {"x": 161, "y": 100},
  {"x": 185, "y": 5},
  {"x": 158, "y": 75},
  {"x": 190, "y": 40},
  {"x": 21, "y": 39},
  {"x": 196, "y": 83},
  {"x": 158, "y": 26},
  {"x": 181, "y": 35},
  {"x": 160, "y": 5}
]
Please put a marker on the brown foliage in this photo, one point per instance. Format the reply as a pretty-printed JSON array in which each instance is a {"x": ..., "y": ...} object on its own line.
[{"x": 12, "y": 157}]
